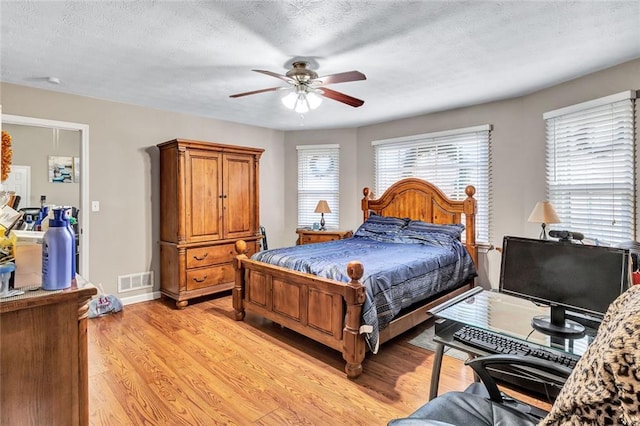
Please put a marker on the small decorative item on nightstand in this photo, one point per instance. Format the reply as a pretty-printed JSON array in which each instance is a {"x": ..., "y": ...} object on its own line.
[{"x": 322, "y": 208}]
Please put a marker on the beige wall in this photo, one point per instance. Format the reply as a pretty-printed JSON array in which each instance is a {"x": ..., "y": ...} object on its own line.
[
  {"x": 518, "y": 141},
  {"x": 123, "y": 164}
]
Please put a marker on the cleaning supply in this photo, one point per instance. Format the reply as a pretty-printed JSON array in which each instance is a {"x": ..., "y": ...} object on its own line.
[
  {"x": 67, "y": 219},
  {"x": 56, "y": 254},
  {"x": 42, "y": 216}
]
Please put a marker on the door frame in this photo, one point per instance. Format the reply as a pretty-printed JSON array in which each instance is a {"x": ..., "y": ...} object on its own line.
[{"x": 84, "y": 174}]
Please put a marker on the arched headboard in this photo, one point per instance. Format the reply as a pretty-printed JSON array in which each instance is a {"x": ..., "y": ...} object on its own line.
[{"x": 420, "y": 200}]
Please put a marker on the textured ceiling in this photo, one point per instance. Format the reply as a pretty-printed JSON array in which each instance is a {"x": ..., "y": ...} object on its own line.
[{"x": 419, "y": 57}]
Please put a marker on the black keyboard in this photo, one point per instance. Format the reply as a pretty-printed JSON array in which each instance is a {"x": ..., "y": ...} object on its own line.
[{"x": 497, "y": 343}]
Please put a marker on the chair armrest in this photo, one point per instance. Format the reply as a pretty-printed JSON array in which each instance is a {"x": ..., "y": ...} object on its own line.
[{"x": 538, "y": 368}]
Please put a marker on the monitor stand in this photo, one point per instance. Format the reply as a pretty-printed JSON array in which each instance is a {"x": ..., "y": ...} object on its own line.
[{"x": 557, "y": 325}]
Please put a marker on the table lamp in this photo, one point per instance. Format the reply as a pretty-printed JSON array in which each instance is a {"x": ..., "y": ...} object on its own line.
[
  {"x": 543, "y": 213},
  {"x": 322, "y": 208}
]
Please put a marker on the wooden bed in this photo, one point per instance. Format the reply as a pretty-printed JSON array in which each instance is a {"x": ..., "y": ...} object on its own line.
[{"x": 330, "y": 312}]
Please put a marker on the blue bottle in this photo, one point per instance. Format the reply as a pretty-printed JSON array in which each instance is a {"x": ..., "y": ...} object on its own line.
[
  {"x": 56, "y": 254},
  {"x": 42, "y": 216},
  {"x": 67, "y": 219}
]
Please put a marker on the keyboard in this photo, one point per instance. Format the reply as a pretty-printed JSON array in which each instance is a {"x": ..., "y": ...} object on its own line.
[{"x": 497, "y": 343}]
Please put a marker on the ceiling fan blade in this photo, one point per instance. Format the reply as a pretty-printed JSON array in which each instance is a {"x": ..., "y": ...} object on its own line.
[
  {"x": 276, "y": 75},
  {"x": 255, "y": 92},
  {"x": 340, "y": 97},
  {"x": 342, "y": 77}
]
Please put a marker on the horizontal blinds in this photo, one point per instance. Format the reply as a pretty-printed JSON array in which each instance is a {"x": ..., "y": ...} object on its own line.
[
  {"x": 318, "y": 179},
  {"x": 590, "y": 170},
  {"x": 450, "y": 160}
]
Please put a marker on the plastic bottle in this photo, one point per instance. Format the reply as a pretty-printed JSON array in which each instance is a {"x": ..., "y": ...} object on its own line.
[
  {"x": 67, "y": 219},
  {"x": 42, "y": 216},
  {"x": 56, "y": 254},
  {"x": 47, "y": 219},
  {"x": 5, "y": 274}
]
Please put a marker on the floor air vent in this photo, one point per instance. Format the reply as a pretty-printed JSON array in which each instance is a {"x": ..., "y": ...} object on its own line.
[{"x": 135, "y": 281}]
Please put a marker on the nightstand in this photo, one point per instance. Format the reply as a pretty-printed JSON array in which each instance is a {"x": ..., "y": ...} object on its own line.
[{"x": 308, "y": 236}]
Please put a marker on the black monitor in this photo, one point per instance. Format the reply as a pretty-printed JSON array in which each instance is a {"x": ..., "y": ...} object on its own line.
[{"x": 566, "y": 276}]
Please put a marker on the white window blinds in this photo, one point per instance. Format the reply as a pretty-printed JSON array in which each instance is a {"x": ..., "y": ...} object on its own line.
[
  {"x": 318, "y": 179},
  {"x": 591, "y": 167},
  {"x": 450, "y": 159}
]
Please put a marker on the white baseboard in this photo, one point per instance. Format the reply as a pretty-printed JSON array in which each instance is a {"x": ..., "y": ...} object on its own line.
[{"x": 140, "y": 298}]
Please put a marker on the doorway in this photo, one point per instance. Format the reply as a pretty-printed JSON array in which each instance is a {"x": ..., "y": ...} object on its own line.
[{"x": 55, "y": 128}]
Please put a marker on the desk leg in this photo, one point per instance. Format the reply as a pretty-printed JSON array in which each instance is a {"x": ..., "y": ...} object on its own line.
[
  {"x": 435, "y": 373},
  {"x": 476, "y": 378}
]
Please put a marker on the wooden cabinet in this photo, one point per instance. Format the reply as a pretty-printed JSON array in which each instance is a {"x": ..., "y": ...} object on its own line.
[
  {"x": 306, "y": 236},
  {"x": 208, "y": 200},
  {"x": 43, "y": 357}
]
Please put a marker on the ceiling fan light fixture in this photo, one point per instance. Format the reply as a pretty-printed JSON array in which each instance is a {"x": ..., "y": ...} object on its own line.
[
  {"x": 289, "y": 100},
  {"x": 314, "y": 100},
  {"x": 307, "y": 90},
  {"x": 302, "y": 106}
]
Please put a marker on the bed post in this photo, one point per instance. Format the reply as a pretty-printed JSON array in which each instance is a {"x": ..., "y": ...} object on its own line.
[
  {"x": 470, "y": 208},
  {"x": 238, "y": 288},
  {"x": 354, "y": 344},
  {"x": 365, "y": 204}
]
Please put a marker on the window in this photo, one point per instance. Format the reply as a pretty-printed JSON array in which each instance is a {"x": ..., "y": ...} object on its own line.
[
  {"x": 450, "y": 159},
  {"x": 590, "y": 167},
  {"x": 318, "y": 179}
]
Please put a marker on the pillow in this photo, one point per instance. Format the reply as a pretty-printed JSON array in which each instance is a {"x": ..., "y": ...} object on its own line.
[
  {"x": 381, "y": 228},
  {"x": 418, "y": 232}
]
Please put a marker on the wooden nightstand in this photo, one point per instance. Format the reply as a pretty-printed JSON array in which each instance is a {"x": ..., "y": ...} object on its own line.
[{"x": 308, "y": 236}]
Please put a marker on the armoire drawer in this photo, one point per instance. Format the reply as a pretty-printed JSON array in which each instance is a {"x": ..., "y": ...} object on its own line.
[
  {"x": 209, "y": 277},
  {"x": 210, "y": 255}
]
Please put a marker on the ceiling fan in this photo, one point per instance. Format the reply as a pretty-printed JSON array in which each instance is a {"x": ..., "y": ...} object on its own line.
[{"x": 307, "y": 87}]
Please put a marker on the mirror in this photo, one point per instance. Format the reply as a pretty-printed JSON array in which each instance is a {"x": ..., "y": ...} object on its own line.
[{"x": 50, "y": 158}]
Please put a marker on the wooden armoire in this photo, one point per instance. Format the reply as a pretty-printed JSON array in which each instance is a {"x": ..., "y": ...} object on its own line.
[{"x": 208, "y": 201}]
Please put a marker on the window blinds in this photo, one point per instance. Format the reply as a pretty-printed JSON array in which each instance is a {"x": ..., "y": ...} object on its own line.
[
  {"x": 318, "y": 179},
  {"x": 451, "y": 160},
  {"x": 590, "y": 167}
]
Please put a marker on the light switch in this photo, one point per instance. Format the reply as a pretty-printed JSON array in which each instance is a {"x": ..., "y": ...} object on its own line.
[{"x": 95, "y": 206}]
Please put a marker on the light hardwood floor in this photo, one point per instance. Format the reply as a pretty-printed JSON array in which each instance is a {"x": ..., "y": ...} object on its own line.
[{"x": 154, "y": 365}]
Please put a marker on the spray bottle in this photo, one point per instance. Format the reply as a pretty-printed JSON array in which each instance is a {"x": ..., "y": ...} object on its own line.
[{"x": 56, "y": 253}]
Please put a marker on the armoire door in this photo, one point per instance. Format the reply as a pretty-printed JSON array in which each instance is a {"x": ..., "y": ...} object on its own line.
[
  {"x": 239, "y": 196},
  {"x": 203, "y": 195}
]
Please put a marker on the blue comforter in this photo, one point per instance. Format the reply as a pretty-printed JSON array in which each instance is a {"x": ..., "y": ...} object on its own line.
[{"x": 396, "y": 275}]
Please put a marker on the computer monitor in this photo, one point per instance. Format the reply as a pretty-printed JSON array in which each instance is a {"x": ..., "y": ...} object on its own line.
[{"x": 566, "y": 276}]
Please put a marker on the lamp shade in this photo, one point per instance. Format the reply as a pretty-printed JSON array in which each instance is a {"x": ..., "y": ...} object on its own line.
[
  {"x": 290, "y": 100},
  {"x": 543, "y": 212},
  {"x": 322, "y": 207}
]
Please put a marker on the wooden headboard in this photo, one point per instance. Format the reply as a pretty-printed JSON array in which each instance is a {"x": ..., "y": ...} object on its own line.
[{"x": 420, "y": 200}]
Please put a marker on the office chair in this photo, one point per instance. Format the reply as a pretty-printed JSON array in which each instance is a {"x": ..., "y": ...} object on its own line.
[
  {"x": 263, "y": 243},
  {"x": 483, "y": 403}
]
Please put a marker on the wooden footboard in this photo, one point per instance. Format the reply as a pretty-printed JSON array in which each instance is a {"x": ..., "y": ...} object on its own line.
[{"x": 326, "y": 311}]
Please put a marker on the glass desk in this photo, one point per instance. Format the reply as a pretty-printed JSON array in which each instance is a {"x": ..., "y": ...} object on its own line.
[{"x": 498, "y": 313}]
